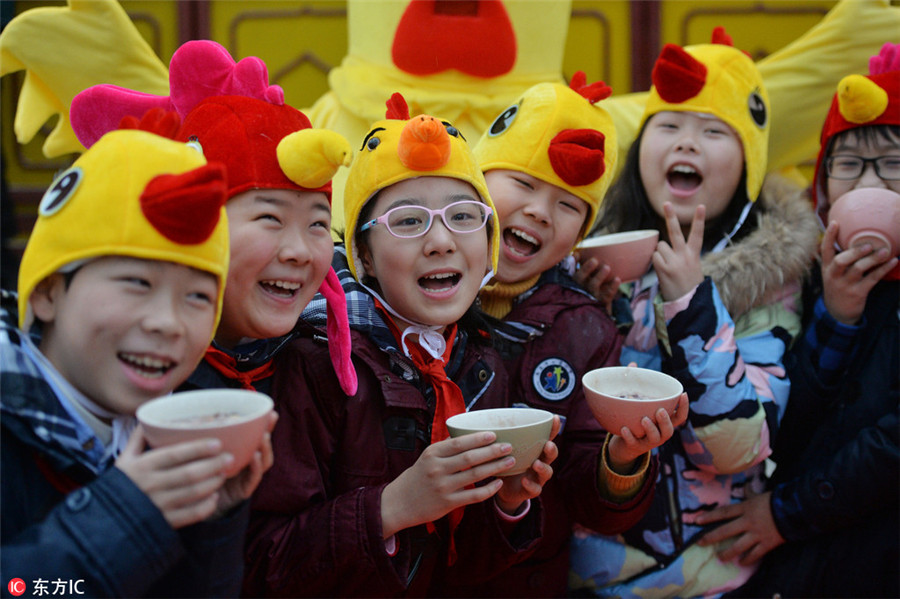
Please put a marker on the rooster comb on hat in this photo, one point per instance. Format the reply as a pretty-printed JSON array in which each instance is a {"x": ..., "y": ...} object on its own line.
[
  {"x": 720, "y": 80},
  {"x": 558, "y": 134}
]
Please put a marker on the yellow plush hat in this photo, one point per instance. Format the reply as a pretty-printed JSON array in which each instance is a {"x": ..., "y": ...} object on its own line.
[
  {"x": 559, "y": 135},
  {"x": 400, "y": 148},
  {"x": 720, "y": 80},
  {"x": 135, "y": 194}
]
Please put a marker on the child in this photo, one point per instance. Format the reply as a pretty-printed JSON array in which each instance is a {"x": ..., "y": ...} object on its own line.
[
  {"x": 548, "y": 161},
  {"x": 371, "y": 498},
  {"x": 830, "y": 524},
  {"x": 120, "y": 290},
  {"x": 279, "y": 206},
  {"x": 717, "y": 311}
]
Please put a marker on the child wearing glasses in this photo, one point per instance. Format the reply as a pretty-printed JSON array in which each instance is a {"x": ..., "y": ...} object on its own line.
[
  {"x": 369, "y": 496},
  {"x": 829, "y": 526}
]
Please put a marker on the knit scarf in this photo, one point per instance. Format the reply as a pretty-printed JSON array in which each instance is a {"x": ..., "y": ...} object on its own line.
[
  {"x": 448, "y": 401},
  {"x": 227, "y": 365},
  {"x": 497, "y": 299}
]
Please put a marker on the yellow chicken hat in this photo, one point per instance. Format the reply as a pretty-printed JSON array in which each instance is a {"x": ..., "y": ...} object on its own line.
[
  {"x": 136, "y": 194},
  {"x": 561, "y": 136},
  {"x": 720, "y": 80},
  {"x": 399, "y": 148}
]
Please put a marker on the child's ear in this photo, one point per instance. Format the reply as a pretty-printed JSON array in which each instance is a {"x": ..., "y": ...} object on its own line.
[
  {"x": 365, "y": 256},
  {"x": 47, "y": 296}
]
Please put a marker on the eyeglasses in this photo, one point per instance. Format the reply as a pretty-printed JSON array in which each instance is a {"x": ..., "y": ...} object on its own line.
[
  {"x": 406, "y": 222},
  {"x": 846, "y": 168}
]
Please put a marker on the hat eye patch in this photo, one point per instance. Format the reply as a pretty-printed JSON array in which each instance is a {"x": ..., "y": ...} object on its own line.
[
  {"x": 371, "y": 142},
  {"x": 758, "y": 111},
  {"x": 59, "y": 193},
  {"x": 453, "y": 131},
  {"x": 504, "y": 121}
]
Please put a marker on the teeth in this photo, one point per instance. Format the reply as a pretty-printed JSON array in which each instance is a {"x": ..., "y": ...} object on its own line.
[
  {"x": 683, "y": 168},
  {"x": 525, "y": 236},
  {"x": 154, "y": 366},
  {"x": 444, "y": 275},
  {"x": 283, "y": 284}
]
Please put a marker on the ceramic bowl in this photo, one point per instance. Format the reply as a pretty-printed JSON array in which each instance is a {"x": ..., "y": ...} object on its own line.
[
  {"x": 868, "y": 215},
  {"x": 622, "y": 395},
  {"x": 628, "y": 254},
  {"x": 526, "y": 429},
  {"x": 237, "y": 417}
]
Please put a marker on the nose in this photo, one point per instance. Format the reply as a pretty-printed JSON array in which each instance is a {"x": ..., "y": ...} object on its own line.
[
  {"x": 686, "y": 142},
  {"x": 869, "y": 178},
  {"x": 439, "y": 239},
  {"x": 164, "y": 314},
  {"x": 294, "y": 249},
  {"x": 538, "y": 208}
]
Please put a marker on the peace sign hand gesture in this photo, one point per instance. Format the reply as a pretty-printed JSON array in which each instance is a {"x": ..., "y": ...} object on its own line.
[{"x": 678, "y": 265}]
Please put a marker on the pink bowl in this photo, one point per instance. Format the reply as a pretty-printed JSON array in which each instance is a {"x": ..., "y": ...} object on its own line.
[
  {"x": 237, "y": 417},
  {"x": 628, "y": 253},
  {"x": 868, "y": 215},
  {"x": 622, "y": 395}
]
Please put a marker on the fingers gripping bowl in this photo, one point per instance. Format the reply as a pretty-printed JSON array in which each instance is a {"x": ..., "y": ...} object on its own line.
[
  {"x": 622, "y": 395},
  {"x": 628, "y": 254},
  {"x": 237, "y": 417},
  {"x": 526, "y": 429}
]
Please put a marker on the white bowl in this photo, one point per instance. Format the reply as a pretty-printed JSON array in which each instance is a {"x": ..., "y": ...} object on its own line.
[
  {"x": 237, "y": 417},
  {"x": 628, "y": 253},
  {"x": 526, "y": 429},
  {"x": 622, "y": 395}
]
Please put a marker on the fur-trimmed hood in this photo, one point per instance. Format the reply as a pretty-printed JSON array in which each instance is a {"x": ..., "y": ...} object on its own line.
[{"x": 781, "y": 249}]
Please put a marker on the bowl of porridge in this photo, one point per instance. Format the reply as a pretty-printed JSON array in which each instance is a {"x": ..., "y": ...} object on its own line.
[
  {"x": 628, "y": 253},
  {"x": 622, "y": 395},
  {"x": 237, "y": 417},
  {"x": 526, "y": 429}
]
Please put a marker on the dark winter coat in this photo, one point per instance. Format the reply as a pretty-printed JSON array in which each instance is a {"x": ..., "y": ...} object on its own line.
[
  {"x": 66, "y": 518},
  {"x": 555, "y": 333},
  {"x": 316, "y": 523}
]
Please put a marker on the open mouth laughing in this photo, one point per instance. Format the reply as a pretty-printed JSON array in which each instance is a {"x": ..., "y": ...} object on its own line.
[
  {"x": 147, "y": 366},
  {"x": 520, "y": 243},
  {"x": 684, "y": 178},
  {"x": 440, "y": 282},
  {"x": 281, "y": 288}
]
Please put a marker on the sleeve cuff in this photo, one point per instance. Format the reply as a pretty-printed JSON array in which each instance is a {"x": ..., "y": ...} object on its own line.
[
  {"x": 523, "y": 511},
  {"x": 621, "y": 487}
]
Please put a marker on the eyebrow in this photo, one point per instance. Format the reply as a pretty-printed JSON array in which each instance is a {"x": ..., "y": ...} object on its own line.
[{"x": 457, "y": 197}]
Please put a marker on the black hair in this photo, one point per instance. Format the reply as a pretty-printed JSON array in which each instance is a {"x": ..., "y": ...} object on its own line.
[
  {"x": 626, "y": 206},
  {"x": 868, "y": 135}
]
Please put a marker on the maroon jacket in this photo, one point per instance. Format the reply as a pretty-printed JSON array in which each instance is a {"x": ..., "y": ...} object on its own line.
[
  {"x": 316, "y": 523},
  {"x": 545, "y": 372}
]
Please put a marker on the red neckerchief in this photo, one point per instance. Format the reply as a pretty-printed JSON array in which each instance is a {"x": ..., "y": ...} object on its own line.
[
  {"x": 227, "y": 365},
  {"x": 448, "y": 401}
]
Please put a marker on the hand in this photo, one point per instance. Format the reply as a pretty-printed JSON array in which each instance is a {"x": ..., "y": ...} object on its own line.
[
  {"x": 627, "y": 447},
  {"x": 678, "y": 265},
  {"x": 443, "y": 479},
  {"x": 751, "y": 527},
  {"x": 848, "y": 276},
  {"x": 241, "y": 486},
  {"x": 521, "y": 487},
  {"x": 182, "y": 480},
  {"x": 598, "y": 280}
]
